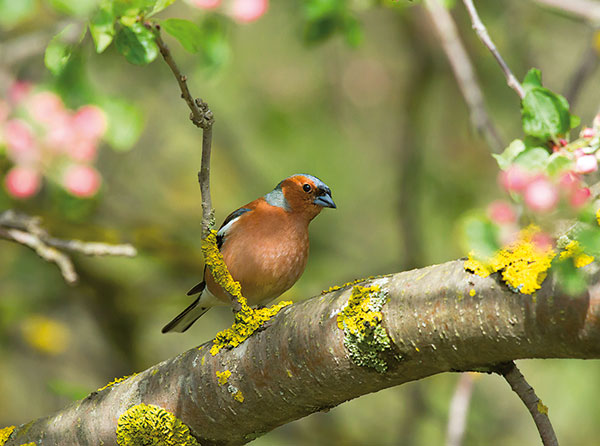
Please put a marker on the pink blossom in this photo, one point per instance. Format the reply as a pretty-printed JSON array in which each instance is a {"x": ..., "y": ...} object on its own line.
[
  {"x": 587, "y": 133},
  {"x": 586, "y": 164},
  {"x": 22, "y": 182},
  {"x": 580, "y": 197},
  {"x": 18, "y": 91},
  {"x": 501, "y": 212},
  {"x": 541, "y": 195},
  {"x": 246, "y": 11},
  {"x": 60, "y": 135},
  {"x": 578, "y": 153},
  {"x": 46, "y": 107},
  {"x": 82, "y": 150},
  {"x": 542, "y": 241},
  {"x": 563, "y": 142},
  {"x": 19, "y": 140},
  {"x": 205, "y": 4},
  {"x": 515, "y": 179},
  {"x": 569, "y": 180},
  {"x": 81, "y": 181},
  {"x": 90, "y": 122}
]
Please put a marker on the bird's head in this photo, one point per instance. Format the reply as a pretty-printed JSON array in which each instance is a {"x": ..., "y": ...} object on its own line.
[{"x": 301, "y": 193}]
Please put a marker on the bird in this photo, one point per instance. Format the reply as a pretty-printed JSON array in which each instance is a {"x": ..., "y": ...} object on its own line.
[{"x": 264, "y": 244}]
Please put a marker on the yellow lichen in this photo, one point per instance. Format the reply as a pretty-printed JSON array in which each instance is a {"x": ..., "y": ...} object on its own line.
[
  {"x": 364, "y": 336},
  {"x": 347, "y": 284},
  {"x": 524, "y": 264},
  {"x": 574, "y": 250},
  {"x": 598, "y": 216},
  {"x": 541, "y": 408},
  {"x": 238, "y": 396},
  {"x": 472, "y": 292},
  {"x": 31, "y": 443},
  {"x": 223, "y": 377},
  {"x": 247, "y": 320},
  {"x": 5, "y": 434},
  {"x": 146, "y": 424},
  {"x": 116, "y": 381}
]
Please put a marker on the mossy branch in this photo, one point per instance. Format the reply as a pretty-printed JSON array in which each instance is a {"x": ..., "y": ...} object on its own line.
[{"x": 438, "y": 319}]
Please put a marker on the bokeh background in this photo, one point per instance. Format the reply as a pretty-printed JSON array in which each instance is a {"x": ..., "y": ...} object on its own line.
[{"x": 374, "y": 111}]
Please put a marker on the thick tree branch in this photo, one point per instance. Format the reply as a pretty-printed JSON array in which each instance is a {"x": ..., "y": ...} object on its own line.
[
  {"x": 464, "y": 73},
  {"x": 538, "y": 411},
  {"x": 483, "y": 35},
  {"x": 27, "y": 231},
  {"x": 585, "y": 9},
  {"x": 438, "y": 319}
]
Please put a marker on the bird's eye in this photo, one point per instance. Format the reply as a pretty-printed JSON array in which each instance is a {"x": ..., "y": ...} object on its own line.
[{"x": 306, "y": 187}]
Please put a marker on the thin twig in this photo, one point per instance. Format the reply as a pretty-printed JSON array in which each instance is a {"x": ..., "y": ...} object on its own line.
[
  {"x": 459, "y": 407},
  {"x": 464, "y": 73},
  {"x": 27, "y": 230},
  {"x": 538, "y": 411},
  {"x": 585, "y": 9},
  {"x": 483, "y": 35}
]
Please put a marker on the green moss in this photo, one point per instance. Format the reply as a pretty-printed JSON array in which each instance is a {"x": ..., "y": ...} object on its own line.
[
  {"x": 146, "y": 424},
  {"x": 5, "y": 434},
  {"x": 364, "y": 336}
]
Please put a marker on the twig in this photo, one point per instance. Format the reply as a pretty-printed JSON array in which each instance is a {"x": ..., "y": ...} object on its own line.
[
  {"x": 464, "y": 73},
  {"x": 27, "y": 231},
  {"x": 538, "y": 411},
  {"x": 587, "y": 66},
  {"x": 459, "y": 407},
  {"x": 203, "y": 118},
  {"x": 483, "y": 35},
  {"x": 585, "y": 9}
]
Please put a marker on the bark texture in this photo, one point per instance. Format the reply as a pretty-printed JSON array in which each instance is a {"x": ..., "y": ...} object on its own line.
[{"x": 440, "y": 319}]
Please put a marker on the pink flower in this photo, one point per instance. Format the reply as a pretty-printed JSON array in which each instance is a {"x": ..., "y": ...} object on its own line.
[
  {"x": 82, "y": 150},
  {"x": 541, "y": 195},
  {"x": 46, "y": 107},
  {"x": 205, "y": 4},
  {"x": 580, "y": 197},
  {"x": 569, "y": 180},
  {"x": 542, "y": 241},
  {"x": 18, "y": 91},
  {"x": 90, "y": 122},
  {"x": 19, "y": 141},
  {"x": 60, "y": 135},
  {"x": 81, "y": 181},
  {"x": 586, "y": 164},
  {"x": 246, "y": 11},
  {"x": 22, "y": 182},
  {"x": 587, "y": 133},
  {"x": 578, "y": 153},
  {"x": 501, "y": 212},
  {"x": 515, "y": 179}
]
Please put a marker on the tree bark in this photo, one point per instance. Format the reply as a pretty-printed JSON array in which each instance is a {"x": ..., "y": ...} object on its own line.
[{"x": 439, "y": 319}]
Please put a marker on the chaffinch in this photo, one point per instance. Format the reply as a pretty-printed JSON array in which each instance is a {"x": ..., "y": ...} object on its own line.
[{"x": 264, "y": 245}]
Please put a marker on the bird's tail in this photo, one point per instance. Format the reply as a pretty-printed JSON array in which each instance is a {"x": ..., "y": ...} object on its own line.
[{"x": 186, "y": 318}]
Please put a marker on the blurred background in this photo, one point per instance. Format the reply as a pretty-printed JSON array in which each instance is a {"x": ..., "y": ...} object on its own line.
[{"x": 364, "y": 99}]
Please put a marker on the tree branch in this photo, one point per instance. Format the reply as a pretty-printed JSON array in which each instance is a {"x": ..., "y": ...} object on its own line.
[
  {"x": 464, "y": 73},
  {"x": 584, "y": 9},
  {"x": 27, "y": 231},
  {"x": 483, "y": 35},
  {"x": 459, "y": 407},
  {"x": 538, "y": 411},
  {"x": 438, "y": 319}
]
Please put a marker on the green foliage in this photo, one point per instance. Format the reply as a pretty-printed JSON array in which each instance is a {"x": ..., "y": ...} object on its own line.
[
  {"x": 557, "y": 163},
  {"x": 12, "y": 12},
  {"x": 325, "y": 18},
  {"x": 545, "y": 114},
  {"x": 506, "y": 158},
  {"x": 187, "y": 33},
  {"x": 136, "y": 43},
  {"x": 102, "y": 27},
  {"x": 80, "y": 8},
  {"x": 533, "y": 158},
  {"x": 60, "y": 48}
]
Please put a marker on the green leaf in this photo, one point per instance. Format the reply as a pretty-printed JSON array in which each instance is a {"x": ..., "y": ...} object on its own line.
[
  {"x": 133, "y": 8},
  {"x": 102, "y": 27},
  {"x": 159, "y": 6},
  {"x": 59, "y": 50},
  {"x": 532, "y": 79},
  {"x": 137, "y": 44},
  {"x": 481, "y": 236},
  {"x": 506, "y": 158},
  {"x": 557, "y": 163},
  {"x": 533, "y": 158},
  {"x": 187, "y": 33},
  {"x": 12, "y": 12},
  {"x": 125, "y": 123},
  {"x": 79, "y": 8}
]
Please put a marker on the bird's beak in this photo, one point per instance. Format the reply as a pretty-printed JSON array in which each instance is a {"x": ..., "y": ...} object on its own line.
[{"x": 325, "y": 200}]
